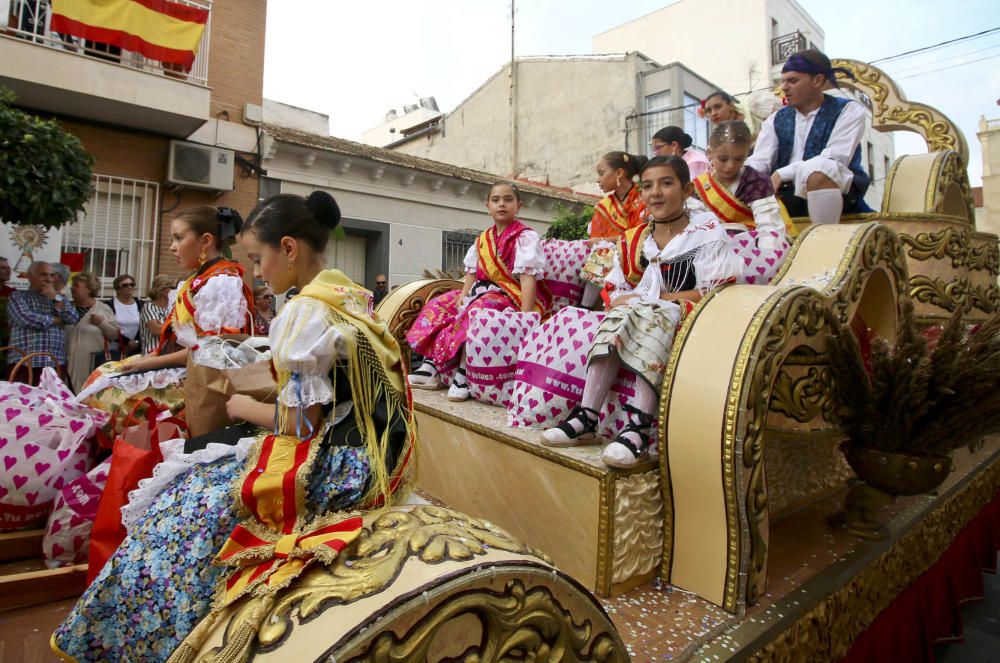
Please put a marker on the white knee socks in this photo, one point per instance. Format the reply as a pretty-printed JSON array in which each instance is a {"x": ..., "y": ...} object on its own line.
[
  {"x": 825, "y": 205},
  {"x": 601, "y": 375}
]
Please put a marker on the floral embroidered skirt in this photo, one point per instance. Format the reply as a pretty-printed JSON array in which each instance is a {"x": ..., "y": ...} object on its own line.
[
  {"x": 118, "y": 394},
  {"x": 161, "y": 582},
  {"x": 440, "y": 331},
  {"x": 642, "y": 335}
]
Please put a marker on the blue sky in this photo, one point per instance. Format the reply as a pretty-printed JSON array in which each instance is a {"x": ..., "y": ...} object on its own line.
[{"x": 355, "y": 61}]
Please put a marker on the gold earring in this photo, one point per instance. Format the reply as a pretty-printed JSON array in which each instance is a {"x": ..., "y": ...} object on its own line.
[
  {"x": 618, "y": 179},
  {"x": 202, "y": 258}
]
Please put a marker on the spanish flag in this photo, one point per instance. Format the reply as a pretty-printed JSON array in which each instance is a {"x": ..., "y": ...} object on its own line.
[{"x": 158, "y": 29}]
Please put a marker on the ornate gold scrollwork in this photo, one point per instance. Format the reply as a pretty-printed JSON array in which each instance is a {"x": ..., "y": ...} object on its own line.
[
  {"x": 429, "y": 533},
  {"x": 948, "y": 242},
  {"x": 891, "y": 111},
  {"x": 804, "y": 398},
  {"x": 517, "y": 625},
  {"x": 985, "y": 257},
  {"x": 985, "y": 298},
  {"x": 948, "y": 295},
  {"x": 802, "y": 314}
]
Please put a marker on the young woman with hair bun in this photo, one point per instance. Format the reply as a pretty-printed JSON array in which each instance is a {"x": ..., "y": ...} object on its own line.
[
  {"x": 620, "y": 209},
  {"x": 201, "y": 532}
]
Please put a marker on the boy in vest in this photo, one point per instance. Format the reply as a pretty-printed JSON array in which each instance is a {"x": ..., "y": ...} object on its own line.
[{"x": 811, "y": 147}]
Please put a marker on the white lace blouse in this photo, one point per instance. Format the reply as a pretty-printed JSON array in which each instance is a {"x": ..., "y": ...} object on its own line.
[
  {"x": 529, "y": 258},
  {"x": 218, "y": 304},
  {"x": 306, "y": 345}
]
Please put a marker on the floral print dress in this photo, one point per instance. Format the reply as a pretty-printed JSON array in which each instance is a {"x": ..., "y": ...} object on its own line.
[{"x": 161, "y": 581}]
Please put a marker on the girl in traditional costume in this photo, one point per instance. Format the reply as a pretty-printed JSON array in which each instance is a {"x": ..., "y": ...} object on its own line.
[
  {"x": 663, "y": 268},
  {"x": 618, "y": 211},
  {"x": 213, "y": 300},
  {"x": 503, "y": 269},
  {"x": 672, "y": 141},
  {"x": 744, "y": 200},
  {"x": 231, "y": 519}
]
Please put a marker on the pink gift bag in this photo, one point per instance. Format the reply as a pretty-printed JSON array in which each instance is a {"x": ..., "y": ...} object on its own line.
[
  {"x": 491, "y": 352},
  {"x": 43, "y": 447},
  {"x": 67, "y": 534},
  {"x": 563, "y": 262},
  {"x": 551, "y": 368}
]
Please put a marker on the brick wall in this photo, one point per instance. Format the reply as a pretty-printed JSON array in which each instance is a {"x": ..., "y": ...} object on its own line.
[{"x": 236, "y": 76}]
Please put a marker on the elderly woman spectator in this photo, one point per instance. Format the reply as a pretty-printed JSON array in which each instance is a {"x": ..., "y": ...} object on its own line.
[
  {"x": 263, "y": 301},
  {"x": 126, "y": 308},
  {"x": 97, "y": 326},
  {"x": 154, "y": 311}
]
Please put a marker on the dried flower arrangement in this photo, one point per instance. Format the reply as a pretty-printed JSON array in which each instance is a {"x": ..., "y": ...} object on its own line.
[{"x": 916, "y": 396}]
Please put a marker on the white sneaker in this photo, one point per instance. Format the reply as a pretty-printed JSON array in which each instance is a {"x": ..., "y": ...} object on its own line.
[{"x": 457, "y": 393}]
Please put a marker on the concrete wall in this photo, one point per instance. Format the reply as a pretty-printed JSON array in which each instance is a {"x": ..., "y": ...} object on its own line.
[
  {"x": 736, "y": 50},
  {"x": 989, "y": 138},
  {"x": 570, "y": 112},
  {"x": 391, "y": 131}
]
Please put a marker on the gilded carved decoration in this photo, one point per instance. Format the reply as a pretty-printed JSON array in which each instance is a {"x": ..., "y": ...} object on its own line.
[
  {"x": 985, "y": 257},
  {"x": 948, "y": 242},
  {"x": 785, "y": 321},
  {"x": 428, "y": 533},
  {"x": 827, "y": 631},
  {"x": 516, "y": 625},
  {"x": 892, "y": 112},
  {"x": 948, "y": 295},
  {"x": 986, "y": 298},
  {"x": 803, "y": 398},
  {"x": 638, "y": 525},
  {"x": 401, "y": 318}
]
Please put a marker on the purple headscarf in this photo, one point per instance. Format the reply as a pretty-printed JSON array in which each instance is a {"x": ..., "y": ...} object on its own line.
[{"x": 799, "y": 63}]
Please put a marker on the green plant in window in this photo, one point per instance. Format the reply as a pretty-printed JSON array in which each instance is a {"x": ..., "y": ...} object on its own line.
[{"x": 45, "y": 174}]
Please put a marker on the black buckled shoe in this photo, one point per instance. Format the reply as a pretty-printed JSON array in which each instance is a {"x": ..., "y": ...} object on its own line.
[{"x": 633, "y": 443}]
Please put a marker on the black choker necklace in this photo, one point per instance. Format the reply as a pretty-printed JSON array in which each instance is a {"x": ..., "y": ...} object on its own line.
[{"x": 682, "y": 214}]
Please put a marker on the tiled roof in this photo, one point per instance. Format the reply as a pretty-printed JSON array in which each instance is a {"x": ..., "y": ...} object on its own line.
[{"x": 379, "y": 155}]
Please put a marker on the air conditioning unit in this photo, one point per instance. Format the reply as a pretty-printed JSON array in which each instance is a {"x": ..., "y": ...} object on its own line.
[{"x": 196, "y": 166}]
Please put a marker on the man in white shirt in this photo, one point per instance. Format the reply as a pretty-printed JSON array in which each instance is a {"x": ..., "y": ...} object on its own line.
[{"x": 811, "y": 148}]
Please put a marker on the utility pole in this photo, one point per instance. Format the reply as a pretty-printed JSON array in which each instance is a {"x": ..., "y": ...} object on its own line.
[{"x": 513, "y": 99}]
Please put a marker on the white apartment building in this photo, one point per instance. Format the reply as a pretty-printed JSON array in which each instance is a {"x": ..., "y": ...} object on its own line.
[{"x": 749, "y": 41}]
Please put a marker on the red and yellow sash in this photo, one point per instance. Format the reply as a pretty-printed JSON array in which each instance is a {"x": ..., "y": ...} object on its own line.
[
  {"x": 182, "y": 312},
  {"x": 730, "y": 209},
  {"x": 613, "y": 217},
  {"x": 496, "y": 269},
  {"x": 727, "y": 207},
  {"x": 630, "y": 247}
]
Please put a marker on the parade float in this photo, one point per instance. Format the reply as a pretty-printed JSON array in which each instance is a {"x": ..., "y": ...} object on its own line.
[{"x": 730, "y": 544}]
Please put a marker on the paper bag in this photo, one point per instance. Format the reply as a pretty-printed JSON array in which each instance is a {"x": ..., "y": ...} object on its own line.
[{"x": 255, "y": 380}]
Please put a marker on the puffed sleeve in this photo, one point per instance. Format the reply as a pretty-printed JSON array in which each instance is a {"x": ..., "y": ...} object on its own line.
[
  {"x": 530, "y": 259},
  {"x": 304, "y": 343},
  {"x": 471, "y": 261},
  {"x": 220, "y": 304}
]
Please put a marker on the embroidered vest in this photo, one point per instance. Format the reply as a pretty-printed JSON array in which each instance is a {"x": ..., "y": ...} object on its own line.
[{"x": 819, "y": 134}]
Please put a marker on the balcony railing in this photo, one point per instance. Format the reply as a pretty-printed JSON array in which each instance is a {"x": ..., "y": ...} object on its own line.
[
  {"x": 784, "y": 46},
  {"x": 31, "y": 20}
]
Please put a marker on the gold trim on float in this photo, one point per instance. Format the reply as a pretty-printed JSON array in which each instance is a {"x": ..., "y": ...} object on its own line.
[
  {"x": 790, "y": 311},
  {"x": 825, "y": 616}
]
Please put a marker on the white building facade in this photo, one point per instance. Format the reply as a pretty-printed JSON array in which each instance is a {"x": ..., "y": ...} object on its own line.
[{"x": 750, "y": 41}]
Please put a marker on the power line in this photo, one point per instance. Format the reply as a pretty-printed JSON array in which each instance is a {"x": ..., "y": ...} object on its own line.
[
  {"x": 938, "y": 45},
  {"x": 959, "y": 64},
  {"x": 942, "y": 60}
]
